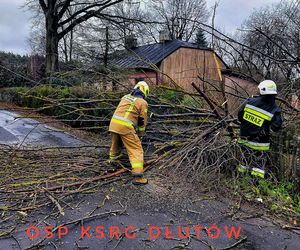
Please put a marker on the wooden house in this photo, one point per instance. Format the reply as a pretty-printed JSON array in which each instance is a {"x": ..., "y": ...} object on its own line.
[{"x": 180, "y": 63}]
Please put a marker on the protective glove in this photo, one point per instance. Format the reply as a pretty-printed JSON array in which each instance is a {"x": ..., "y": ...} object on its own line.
[{"x": 140, "y": 121}]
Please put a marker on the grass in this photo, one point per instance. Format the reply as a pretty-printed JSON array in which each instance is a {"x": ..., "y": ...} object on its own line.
[{"x": 281, "y": 198}]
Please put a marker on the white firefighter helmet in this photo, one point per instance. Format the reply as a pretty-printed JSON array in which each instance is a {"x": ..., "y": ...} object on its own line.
[
  {"x": 267, "y": 87},
  {"x": 142, "y": 86}
]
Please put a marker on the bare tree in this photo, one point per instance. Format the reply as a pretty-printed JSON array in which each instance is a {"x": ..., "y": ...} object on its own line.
[
  {"x": 274, "y": 31},
  {"x": 98, "y": 37},
  {"x": 58, "y": 23},
  {"x": 180, "y": 18}
]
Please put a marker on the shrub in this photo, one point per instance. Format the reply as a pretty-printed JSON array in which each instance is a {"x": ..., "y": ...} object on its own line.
[
  {"x": 195, "y": 102},
  {"x": 66, "y": 78},
  {"x": 169, "y": 95}
]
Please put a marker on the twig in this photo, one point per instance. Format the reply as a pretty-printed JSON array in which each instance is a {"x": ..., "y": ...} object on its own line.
[
  {"x": 235, "y": 244},
  {"x": 87, "y": 218},
  {"x": 56, "y": 203}
]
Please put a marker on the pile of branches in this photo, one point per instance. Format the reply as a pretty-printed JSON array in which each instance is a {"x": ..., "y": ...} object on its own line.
[
  {"x": 32, "y": 179},
  {"x": 204, "y": 158},
  {"x": 209, "y": 148}
]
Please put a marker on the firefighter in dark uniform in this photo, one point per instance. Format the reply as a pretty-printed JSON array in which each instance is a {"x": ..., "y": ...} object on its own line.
[{"x": 257, "y": 117}]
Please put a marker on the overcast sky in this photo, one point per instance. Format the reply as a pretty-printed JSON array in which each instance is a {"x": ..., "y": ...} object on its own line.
[
  {"x": 230, "y": 14},
  {"x": 14, "y": 26},
  {"x": 15, "y": 22}
]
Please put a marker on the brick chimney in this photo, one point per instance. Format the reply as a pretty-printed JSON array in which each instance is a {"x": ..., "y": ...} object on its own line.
[
  {"x": 130, "y": 42},
  {"x": 164, "y": 35}
]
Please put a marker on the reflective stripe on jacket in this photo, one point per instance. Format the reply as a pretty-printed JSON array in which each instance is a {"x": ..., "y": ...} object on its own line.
[
  {"x": 255, "y": 145},
  {"x": 125, "y": 118}
]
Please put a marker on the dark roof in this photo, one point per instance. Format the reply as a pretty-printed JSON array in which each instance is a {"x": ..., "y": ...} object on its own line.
[{"x": 144, "y": 56}]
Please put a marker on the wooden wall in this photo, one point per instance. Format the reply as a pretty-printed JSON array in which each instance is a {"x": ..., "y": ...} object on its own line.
[
  {"x": 237, "y": 88},
  {"x": 186, "y": 64},
  {"x": 150, "y": 76}
]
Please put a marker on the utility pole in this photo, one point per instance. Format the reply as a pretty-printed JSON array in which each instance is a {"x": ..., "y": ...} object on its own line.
[{"x": 213, "y": 24}]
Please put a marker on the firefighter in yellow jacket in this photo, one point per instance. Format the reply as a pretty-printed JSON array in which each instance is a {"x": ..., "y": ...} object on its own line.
[{"x": 127, "y": 124}]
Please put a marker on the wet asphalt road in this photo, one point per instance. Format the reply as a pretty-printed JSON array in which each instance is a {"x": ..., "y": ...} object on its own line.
[
  {"x": 25, "y": 132},
  {"x": 255, "y": 233}
]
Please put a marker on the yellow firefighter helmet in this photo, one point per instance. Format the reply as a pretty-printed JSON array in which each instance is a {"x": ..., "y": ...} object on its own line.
[{"x": 142, "y": 86}]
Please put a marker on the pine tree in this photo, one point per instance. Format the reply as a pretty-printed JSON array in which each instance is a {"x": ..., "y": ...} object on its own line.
[{"x": 201, "y": 39}]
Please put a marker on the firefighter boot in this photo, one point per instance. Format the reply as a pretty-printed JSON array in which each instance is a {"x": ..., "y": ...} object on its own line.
[
  {"x": 138, "y": 179},
  {"x": 112, "y": 165}
]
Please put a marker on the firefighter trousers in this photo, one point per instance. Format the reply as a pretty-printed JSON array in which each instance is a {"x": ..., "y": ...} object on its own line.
[
  {"x": 134, "y": 150},
  {"x": 253, "y": 161}
]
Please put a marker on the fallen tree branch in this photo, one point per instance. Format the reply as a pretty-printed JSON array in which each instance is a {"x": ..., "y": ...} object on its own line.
[
  {"x": 82, "y": 183},
  {"x": 235, "y": 244},
  {"x": 55, "y": 202},
  {"x": 212, "y": 106}
]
